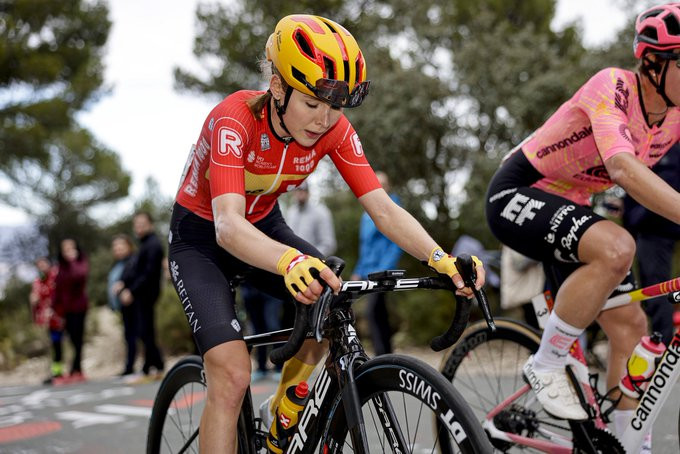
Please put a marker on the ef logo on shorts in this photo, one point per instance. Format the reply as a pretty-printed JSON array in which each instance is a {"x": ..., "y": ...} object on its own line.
[{"x": 229, "y": 142}]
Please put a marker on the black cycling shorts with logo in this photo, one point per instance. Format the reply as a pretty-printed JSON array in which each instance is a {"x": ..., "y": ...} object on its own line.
[
  {"x": 535, "y": 223},
  {"x": 201, "y": 272}
]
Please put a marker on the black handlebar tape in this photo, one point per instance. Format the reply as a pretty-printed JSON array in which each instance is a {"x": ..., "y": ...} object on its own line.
[
  {"x": 282, "y": 354},
  {"x": 465, "y": 266},
  {"x": 460, "y": 320},
  {"x": 303, "y": 312}
]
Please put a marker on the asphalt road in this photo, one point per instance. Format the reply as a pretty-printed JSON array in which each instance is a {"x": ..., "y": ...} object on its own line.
[
  {"x": 108, "y": 417},
  {"x": 102, "y": 417}
]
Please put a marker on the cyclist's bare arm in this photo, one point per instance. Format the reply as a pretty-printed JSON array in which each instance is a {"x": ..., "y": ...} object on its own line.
[
  {"x": 399, "y": 226},
  {"x": 644, "y": 186},
  {"x": 242, "y": 240}
]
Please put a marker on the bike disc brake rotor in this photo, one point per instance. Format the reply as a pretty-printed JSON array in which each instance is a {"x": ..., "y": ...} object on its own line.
[{"x": 604, "y": 441}]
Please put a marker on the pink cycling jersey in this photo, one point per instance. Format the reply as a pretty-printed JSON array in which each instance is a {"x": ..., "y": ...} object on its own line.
[
  {"x": 238, "y": 153},
  {"x": 602, "y": 119}
]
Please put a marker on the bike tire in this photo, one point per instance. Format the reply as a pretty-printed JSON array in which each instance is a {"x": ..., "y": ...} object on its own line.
[
  {"x": 407, "y": 381},
  {"x": 177, "y": 411},
  {"x": 486, "y": 368}
]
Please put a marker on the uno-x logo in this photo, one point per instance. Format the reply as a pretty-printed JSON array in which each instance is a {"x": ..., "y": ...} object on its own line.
[
  {"x": 229, "y": 142},
  {"x": 521, "y": 208},
  {"x": 356, "y": 145}
]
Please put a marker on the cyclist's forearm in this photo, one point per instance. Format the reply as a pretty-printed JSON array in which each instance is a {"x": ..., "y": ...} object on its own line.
[
  {"x": 645, "y": 186},
  {"x": 240, "y": 238},
  {"x": 403, "y": 229}
]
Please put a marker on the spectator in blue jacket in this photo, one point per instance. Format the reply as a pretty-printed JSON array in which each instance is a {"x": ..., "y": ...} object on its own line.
[
  {"x": 377, "y": 253},
  {"x": 655, "y": 238}
]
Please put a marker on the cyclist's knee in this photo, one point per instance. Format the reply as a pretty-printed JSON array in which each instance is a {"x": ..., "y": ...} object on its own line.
[{"x": 616, "y": 253}]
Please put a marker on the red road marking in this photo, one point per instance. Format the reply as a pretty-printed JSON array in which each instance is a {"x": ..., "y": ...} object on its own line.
[{"x": 27, "y": 430}]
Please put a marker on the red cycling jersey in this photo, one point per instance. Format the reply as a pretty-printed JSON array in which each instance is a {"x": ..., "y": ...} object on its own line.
[{"x": 238, "y": 153}]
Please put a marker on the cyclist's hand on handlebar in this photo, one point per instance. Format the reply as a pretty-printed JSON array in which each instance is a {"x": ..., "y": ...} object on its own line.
[
  {"x": 301, "y": 274},
  {"x": 444, "y": 263}
]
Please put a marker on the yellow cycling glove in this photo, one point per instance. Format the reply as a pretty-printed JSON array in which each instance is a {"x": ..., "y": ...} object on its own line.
[
  {"x": 444, "y": 263},
  {"x": 295, "y": 267}
]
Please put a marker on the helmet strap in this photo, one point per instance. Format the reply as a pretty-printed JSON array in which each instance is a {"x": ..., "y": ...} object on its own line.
[
  {"x": 281, "y": 109},
  {"x": 660, "y": 86}
]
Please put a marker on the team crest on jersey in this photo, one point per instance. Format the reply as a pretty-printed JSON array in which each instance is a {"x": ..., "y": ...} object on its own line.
[
  {"x": 264, "y": 142},
  {"x": 356, "y": 145},
  {"x": 230, "y": 141}
]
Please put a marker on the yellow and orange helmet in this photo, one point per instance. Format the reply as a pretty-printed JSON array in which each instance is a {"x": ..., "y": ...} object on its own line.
[{"x": 319, "y": 57}]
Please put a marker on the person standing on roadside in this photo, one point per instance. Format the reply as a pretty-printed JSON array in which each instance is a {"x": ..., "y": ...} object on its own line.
[
  {"x": 40, "y": 298},
  {"x": 143, "y": 286},
  {"x": 377, "y": 253},
  {"x": 71, "y": 302},
  {"x": 122, "y": 249}
]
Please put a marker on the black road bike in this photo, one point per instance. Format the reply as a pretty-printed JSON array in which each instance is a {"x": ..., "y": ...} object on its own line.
[{"x": 390, "y": 403}]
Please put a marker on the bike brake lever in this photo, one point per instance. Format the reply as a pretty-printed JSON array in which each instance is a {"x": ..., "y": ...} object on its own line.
[
  {"x": 465, "y": 266},
  {"x": 321, "y": 306}
]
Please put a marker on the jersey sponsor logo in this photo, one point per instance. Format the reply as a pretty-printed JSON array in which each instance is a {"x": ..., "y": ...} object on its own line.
[
  {"x": 251, "y": 156},
  {"x": 229, "y": 141},
  {"x": 659, "y": 146},
  {"x": 625, "y": 133},
  {"x": 235, "y": 324},
  {"x": 596, "y": 174},
  {"x": 211, "y": 124},
  {"x": 306, "y": 163},
  {"x": 559, "y": 216},
  {"x": 174, "y": 269},
  {"x": 188, "y": 307},
  {"x": 198, "y": 155},
  {"x": 356, "y": 145},
  {"x": 621, "y": 96},
  {"x": 264, "y": 142},
  {"x": 568, "y": 240},
  {"x": 575, "y": 137},
  {"x": 520, "y": 208}
]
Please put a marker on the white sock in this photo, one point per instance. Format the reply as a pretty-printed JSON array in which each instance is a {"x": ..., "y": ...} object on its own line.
[{"x": 558, "y": 336}]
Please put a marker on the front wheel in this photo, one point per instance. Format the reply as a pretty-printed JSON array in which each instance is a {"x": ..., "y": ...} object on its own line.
[
  {"x": 486, "y": 368},
  {"x": 177, "y": 410},
  {"x": 407, "y": 406}
]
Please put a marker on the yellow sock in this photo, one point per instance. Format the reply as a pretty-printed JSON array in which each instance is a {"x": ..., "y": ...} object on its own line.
[{"x": 294, "y": 371}]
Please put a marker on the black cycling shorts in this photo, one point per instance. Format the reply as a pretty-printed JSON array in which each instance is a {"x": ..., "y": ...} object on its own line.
[
  {"x": 538, "y": 224},
  {"x": 202, "y": 272}
]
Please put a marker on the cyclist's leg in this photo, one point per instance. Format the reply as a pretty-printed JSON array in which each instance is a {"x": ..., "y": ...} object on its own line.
[
  {"x": 199, "y": 270},
  {"x": 300, "y": 367},
  {"x": 227, "y": 369}
]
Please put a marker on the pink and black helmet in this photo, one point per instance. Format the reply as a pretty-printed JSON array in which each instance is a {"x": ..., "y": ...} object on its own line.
[{"x": 657, "y": 29}]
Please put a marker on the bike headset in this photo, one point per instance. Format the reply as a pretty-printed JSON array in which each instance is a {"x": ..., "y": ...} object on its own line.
[
  {"x": 317, "y": 57},
  {"x": 657, "y": 31}
]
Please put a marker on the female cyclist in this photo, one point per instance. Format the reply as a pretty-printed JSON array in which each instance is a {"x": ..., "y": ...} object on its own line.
[
  {"x": 253, "y": 147},
  {"x": 614, "y": 127}
]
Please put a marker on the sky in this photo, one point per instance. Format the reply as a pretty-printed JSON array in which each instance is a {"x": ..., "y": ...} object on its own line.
[{"x": 152, "y": 126}]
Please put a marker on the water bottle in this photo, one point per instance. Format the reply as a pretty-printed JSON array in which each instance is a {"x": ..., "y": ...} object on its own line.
[
  {"x": 287, "y": 417},
  {"x": 641, "y": 365}
]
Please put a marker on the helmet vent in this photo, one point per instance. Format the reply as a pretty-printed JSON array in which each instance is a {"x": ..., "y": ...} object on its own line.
[
  {"x": 672, "y": 25},
  {"x": 650, "y": 32},
  {"x": 304, "y": 44},
  {"x": 345, "y": 63},
  {"x": 329, "y": 68},
  {"x": 298, "y": 75}
]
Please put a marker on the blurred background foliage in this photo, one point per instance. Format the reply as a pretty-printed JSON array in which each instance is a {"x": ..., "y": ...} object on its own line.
[{"x": 455, "y": 86}]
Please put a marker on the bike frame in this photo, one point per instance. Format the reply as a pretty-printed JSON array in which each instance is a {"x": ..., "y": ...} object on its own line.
[
  {"x": 346, "y": 354},
  {"x": 651, "y": 401}
]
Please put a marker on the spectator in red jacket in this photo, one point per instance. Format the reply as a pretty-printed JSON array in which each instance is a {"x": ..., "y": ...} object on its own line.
[
  {"x": 70, "y": 299},
  {"x": 40, "y": 298}
]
